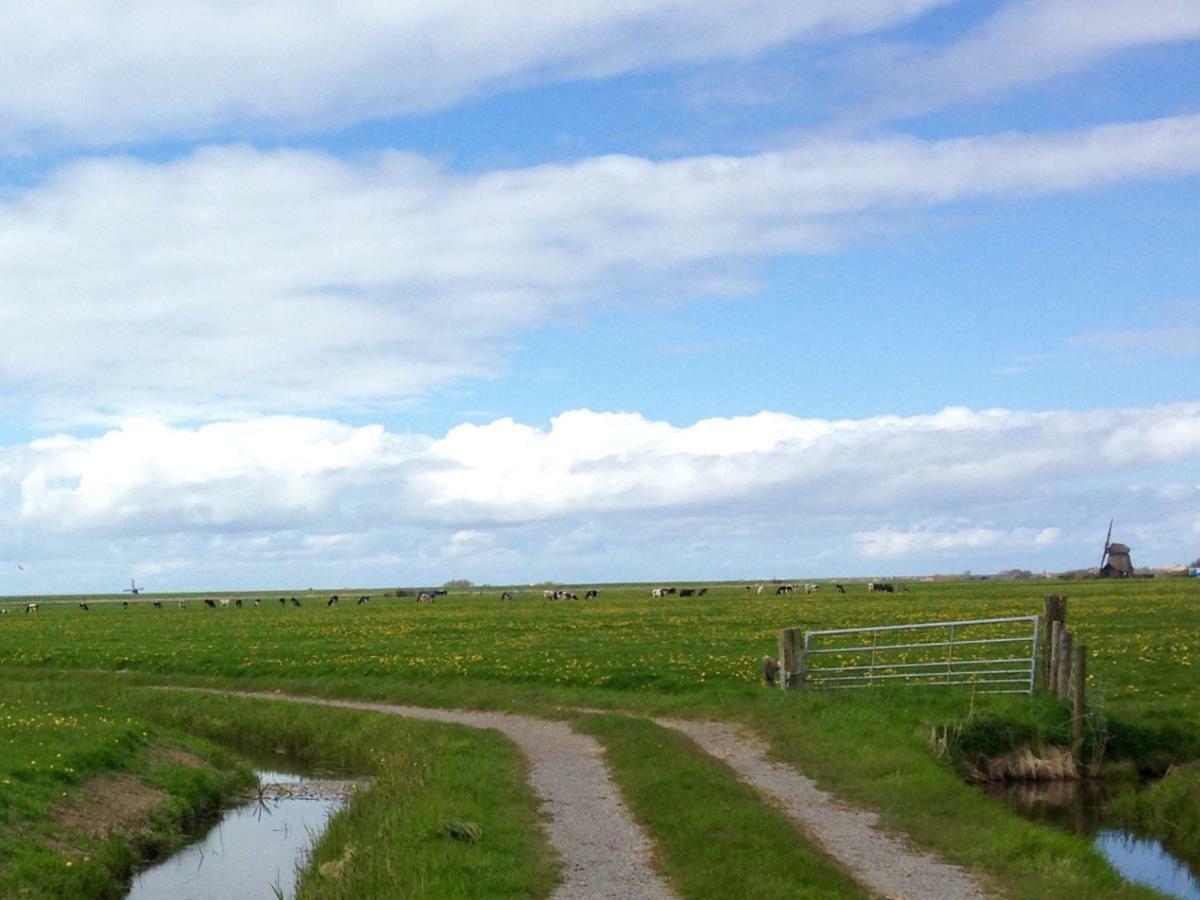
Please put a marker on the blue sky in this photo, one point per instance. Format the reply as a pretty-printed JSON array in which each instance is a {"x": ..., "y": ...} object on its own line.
[{"x": 633, "y": 291}]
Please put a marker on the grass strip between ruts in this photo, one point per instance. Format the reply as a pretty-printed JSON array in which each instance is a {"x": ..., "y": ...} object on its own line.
[{"x": 715, "y": 837}]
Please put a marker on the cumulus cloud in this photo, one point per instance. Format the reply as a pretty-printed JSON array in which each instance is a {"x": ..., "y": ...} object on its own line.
[
  {"x": 234, "y": 281},
  {"x": 285, "y": 472},
  {"x": 146, "y": 476},
  {"x": 1022, "y": 43},
  {"x": 597, "y": 495},
  {"x": 105, "y": 72}
]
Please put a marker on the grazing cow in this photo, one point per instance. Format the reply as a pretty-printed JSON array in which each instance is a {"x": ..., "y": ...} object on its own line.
[
  {"x": 880, "y": 587},
  {"x": 332, "y": 601},
  {"x": 257, "y": 602},
  {"x": 84, "y": 607},
  {"x": 657, "y": 592},
  {"x": 157, "y": 604},
  {"x": 701, "y": 592},
  {"x": 424, "y": 597},
  {"x": 591, "y": 595},
  {"x": 124, "y": 604},
  {"x": 811, "y": 588},
  {"x": 238, "y": 602},
  {"x": 210, "y": 603},
  {"x": 3, "y": 610},
  {"x": 687, "y": 592},
  {"x": 506, "y": 595},
  {"x": 760, "y": 590},
  {"x": 784, "y": 589},
  {"x": 224, "y": 601},
  {"x": 31, "y": 607},
  {"x": 295, "y": 603},
  {"x": 841, "y": 588},
  {"x": 283, "y": 601},
  {"x": 182, "y": 604},
  {"x": 770, "y": 671},
  {"x": 364, "y": 599}
]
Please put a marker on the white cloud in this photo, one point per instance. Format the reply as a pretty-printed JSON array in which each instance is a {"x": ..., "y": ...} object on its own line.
[
  {"x": 608, "y": 496},
  {"x": 105, "y": 72},
  {"x": 1179, "y": 340},
  {"x": 885, "y": 543},
  {"x": 591, "y": 462},
  {"x": 233, "y": 281},
  {"x": 283, "y": 473},
  {"x": 1022, "y": 43},
  {"x": 148, "y": 477}
]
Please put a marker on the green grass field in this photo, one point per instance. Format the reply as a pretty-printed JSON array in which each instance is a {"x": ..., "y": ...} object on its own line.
[{"x": 695, "y": 656}]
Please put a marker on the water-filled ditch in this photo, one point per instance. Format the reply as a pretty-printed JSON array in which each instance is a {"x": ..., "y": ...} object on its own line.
[
  {"x": 1084, "y": 808},
  {"x": 255, "y": 849}
]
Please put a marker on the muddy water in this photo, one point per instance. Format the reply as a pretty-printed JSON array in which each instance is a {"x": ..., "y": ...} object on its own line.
[
  {"x": 255, "y": 849},
  {"x": 1082, "y": 807}
]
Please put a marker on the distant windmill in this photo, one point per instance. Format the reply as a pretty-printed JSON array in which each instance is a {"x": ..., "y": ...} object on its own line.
[
  {"x": 132, "y": 589},
  {"x": 1115, "y": 561}
]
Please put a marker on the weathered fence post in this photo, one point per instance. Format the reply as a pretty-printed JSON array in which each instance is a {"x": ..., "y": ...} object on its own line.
[
  {"x": 1052, "y": 647},
  {"x": 1064, "y": 664},
  {"x": 1055, "y": 611},
  {"x": 791, "y": 675},
  {"x": 1080, "y": 701}
]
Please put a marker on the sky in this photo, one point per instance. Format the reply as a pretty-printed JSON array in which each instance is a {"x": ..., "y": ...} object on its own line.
[{"x": 400, "y": 293}]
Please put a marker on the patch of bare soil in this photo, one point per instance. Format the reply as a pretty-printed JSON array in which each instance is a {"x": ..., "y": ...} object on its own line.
[
  {"x": 107, "y": 804},
  {"x": 177, "y": 756}
]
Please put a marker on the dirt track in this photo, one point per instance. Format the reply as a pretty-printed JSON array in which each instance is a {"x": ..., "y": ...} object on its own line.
[{"x": 605, "y": 852}]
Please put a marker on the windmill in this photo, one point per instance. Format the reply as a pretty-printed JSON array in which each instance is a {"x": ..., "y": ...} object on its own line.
[
  {"x": 1115, "y": 561},
  {"x": 133, "y": 588}
]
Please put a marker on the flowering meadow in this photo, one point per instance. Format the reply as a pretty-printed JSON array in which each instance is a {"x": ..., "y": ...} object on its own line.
[{"x": 1142, "y": 636}]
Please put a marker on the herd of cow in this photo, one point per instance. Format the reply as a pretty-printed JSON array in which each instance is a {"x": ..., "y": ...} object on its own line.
[{"x": 430, "y": 596}]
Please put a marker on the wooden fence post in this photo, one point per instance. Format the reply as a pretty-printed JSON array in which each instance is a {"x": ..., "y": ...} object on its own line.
[
  {"x": 1064, "y": 665},
  {"x": 1080, "y": 700},
  {"x": 790, "y": 659},
  {"x": 1052, "y": 655},
  {"x": 1055, "y": 611}
]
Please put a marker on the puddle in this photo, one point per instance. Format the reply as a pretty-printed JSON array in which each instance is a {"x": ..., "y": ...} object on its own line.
[
  {"x": 1082, "y": 807},
  {"x": 254, "y": 850}
]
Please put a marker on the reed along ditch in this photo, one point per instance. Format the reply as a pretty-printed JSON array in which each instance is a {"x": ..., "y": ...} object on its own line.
[
  {"x": 256, "y": 848},
  {"x": 1088, "y": 808}
]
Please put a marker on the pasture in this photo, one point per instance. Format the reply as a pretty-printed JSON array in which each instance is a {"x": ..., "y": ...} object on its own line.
[{"x": 627, "y": 652}]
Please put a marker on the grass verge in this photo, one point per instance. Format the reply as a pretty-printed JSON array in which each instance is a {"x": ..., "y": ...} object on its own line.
[
  {"x": 448, "y": 815},
  {"x": 1169, "y": 808},
  {"x": 87, "y": 791},
  {"x": 892, "y": 770}
]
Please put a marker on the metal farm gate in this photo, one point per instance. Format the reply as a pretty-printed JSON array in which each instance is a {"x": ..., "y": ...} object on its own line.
[{"x": 991, "y": 655}]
